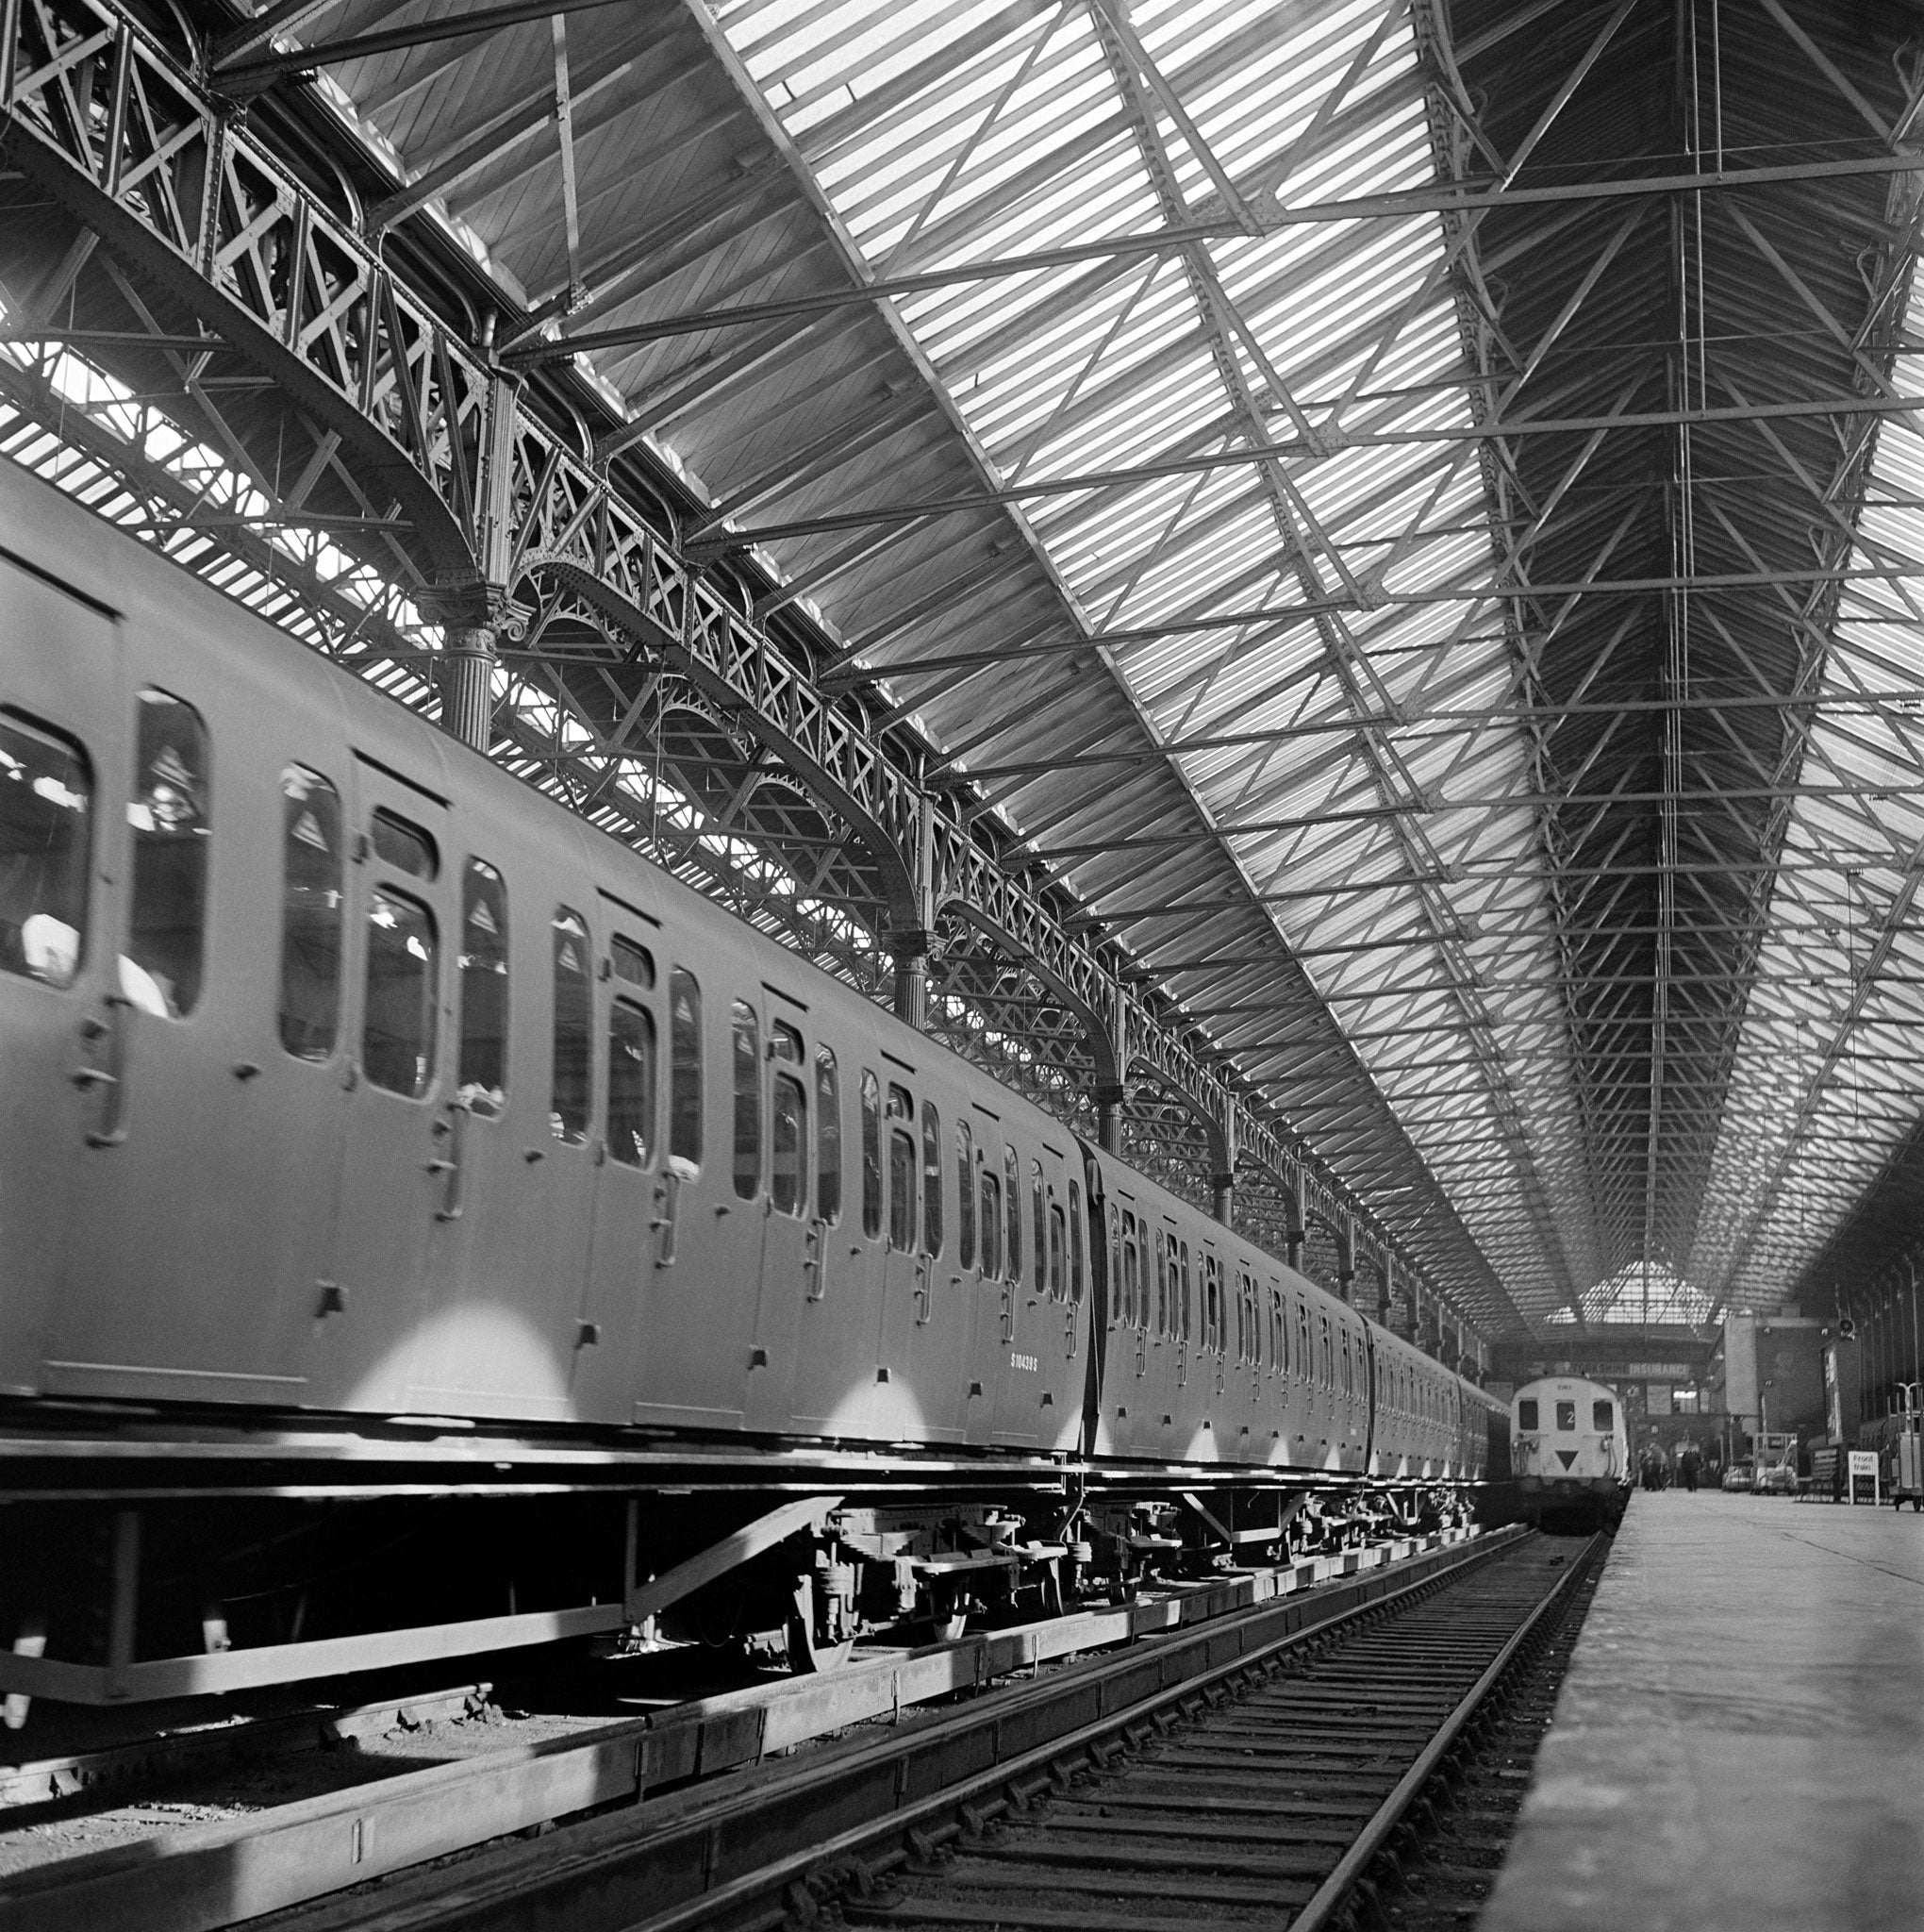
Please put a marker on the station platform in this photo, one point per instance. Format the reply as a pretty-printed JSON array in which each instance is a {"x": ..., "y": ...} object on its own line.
[{"x": 1739, "y": 1743}]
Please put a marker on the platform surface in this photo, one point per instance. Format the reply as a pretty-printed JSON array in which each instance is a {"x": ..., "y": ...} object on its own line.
[{"x": 1739, "y": 1743}]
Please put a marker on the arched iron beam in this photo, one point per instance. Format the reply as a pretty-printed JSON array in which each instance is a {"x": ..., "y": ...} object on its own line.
[
  {"x": 681, "y": 652},
  {"x": 1096, "y": 1021},
  {"x": 210, "y": 216},
  {"x": 1215, "y": 1129}
]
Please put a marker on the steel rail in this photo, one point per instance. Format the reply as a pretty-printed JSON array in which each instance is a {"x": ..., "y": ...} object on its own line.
[
  {"x": 1331, "y": 1894},
  {"x": 272, "y": 1861},
  {"x": 740, "y": 1906}
]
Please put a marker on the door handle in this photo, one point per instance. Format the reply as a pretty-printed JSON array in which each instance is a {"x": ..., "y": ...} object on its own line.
[
  {"x": 110, "y": 1079},
  {"x": 815, "y": 1259},
  {"x": 1008, "y": 1312},
  {"x": 1069, "y": 1335},
  {"x": 924, "y": 1305},
  {"x": 455, "y": 1165},
  {"x": 667, "y": 1213}
]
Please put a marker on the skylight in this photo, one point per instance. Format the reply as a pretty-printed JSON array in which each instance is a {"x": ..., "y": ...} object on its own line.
[{"x": 1311, "y": 636}]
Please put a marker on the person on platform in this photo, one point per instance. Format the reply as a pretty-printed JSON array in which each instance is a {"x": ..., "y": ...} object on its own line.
[{"x": 1687, "y": 1466}]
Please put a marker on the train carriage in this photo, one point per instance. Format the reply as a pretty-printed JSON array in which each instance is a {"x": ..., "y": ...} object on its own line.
[
  {"x": 352, "y": 1084},
  {"x": 1570, "y": 1450}
]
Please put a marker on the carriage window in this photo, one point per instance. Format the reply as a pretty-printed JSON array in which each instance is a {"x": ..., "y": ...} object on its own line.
[
  {"x": 745, "y": 1033},
  {"x": 1603, "y": 1416},
  {"x": 482, "y": 1075},
  {"x": 311, "y": 910},
  {"x": 573, "y": 1051},
  {"x": 827, "y": 1137},
  {"x": 1565, "y": 1418},
  {"x": 168, "y": 813},
  {"x": 45, "y": 792},
  {"x": 1185, "y": 1291},
  {"x": 635, "y": 964},
  {"x": 1036, "y": 1220},
  {"x": 1131, "y": 1265},
  {"x": 991, "y": 1224},
  {"x": 1012, "y": 1190},
  {"x": 1349, "y": 1368},
  {"x": 871, "y": 1155},
  {"x": 684, "y": 1068},
  {"x": 1056, "y": 1244},
  {"x": 1305, "y": 1365},
  {"x": 784, "y": 1043},
  {"x": 1212, "y": 1297},
  {"x": 1279, "y": 1332},
  {"x": 1114, "y": 1266},
  {"x": 900, "y": 1172},
  {"x": 631, "y": 1082},
  {"x": 1075, "y": 1244},
  {"x": 1527, "y": 1417},
  {"x": 932, "y": 1180},
  {"x": 404, "y": 845},
  {"x": 965, "y": 1195},
  {"x": 397, "y": 1036},
  {"x": 788, "y": 1147},
  {"x": 1328, "y": 1358},
  {"x": 1162, "y": 1283}
]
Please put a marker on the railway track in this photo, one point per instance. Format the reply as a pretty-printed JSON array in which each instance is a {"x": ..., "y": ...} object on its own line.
[
  {"x": 973, "y": 1702},
  {"x": 1288, "y": 1784},
  {"x": 1255, "y": 1773}
]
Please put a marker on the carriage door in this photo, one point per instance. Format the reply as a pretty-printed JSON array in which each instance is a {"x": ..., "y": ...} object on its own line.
[
  {"x": 212, "y": 1160},
  {"x": 705, "y": 1260},
  {"x": 632, "y": 1158},
  {"x": 402, "y": 913},
  {"x": 905, "y": 1287},
  {"x": 791, "y": 1257},
  {"x": 833, "y": 1375},
  {"x": 516, "y": 1147},
  {"x": 684, "y": 1367},
  {"x": 1024, "y": 1326},
  {"x": 979, "y": 1237},
  {"x": 60, "y": 785}
]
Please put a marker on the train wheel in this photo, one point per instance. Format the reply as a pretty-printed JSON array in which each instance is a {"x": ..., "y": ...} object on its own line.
[
  {"x": 809, "y": 1655},
  {"x": 1052, "y": 1586},
  {"x": 948, "y": 1612}
]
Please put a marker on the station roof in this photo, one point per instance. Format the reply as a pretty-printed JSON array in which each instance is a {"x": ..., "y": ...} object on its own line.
[{"x": 1412, "y": 511}]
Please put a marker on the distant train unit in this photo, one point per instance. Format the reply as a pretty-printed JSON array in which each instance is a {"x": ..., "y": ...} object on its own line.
[
  {"x": 359, "y": 1098},
  {"x": 1569, "y": 1452}
]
